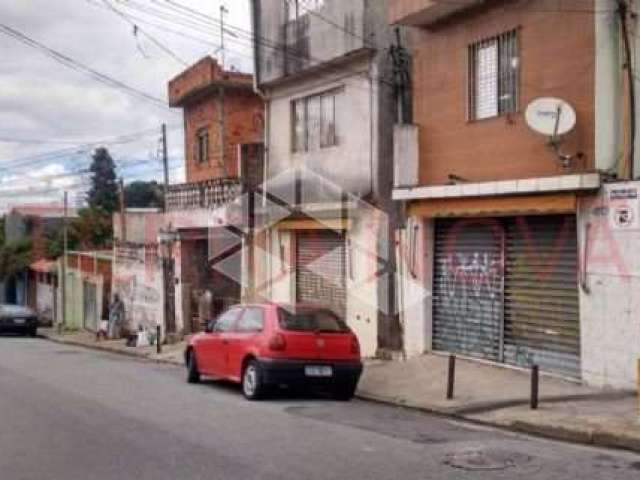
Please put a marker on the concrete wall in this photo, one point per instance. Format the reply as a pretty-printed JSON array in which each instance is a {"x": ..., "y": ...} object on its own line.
[
  {"x": 326, "y": 42},
  {"x": 610, "y": 299},
  {"x": 137, "y": 278},
  {"x": 414, "y": 257}
]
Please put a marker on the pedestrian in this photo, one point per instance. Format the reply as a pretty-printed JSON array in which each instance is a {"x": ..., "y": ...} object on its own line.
[
  {"x": 103, "y": 330},
  {"x": 116, "y": 317}
]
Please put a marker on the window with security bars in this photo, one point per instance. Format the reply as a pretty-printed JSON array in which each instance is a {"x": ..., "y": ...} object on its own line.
[{"x": 493, "y": 76}]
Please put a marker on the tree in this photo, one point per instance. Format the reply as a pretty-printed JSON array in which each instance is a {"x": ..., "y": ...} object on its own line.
[
  {"x": 144, "y": 195},
  {"x": 103, "y": 194},
  {"x": 15, "y": 257}
]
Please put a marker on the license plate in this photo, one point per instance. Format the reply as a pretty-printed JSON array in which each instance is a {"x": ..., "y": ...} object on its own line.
[
  {"x": 318, "y": 371},
  {"x": 18, "y": 321}
]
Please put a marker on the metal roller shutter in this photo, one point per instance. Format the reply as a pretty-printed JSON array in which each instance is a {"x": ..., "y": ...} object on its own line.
[
  {"x": 320, "y": 269},
  {"x": 467, "y": 296},
  {"x": 541, "y": 294}
]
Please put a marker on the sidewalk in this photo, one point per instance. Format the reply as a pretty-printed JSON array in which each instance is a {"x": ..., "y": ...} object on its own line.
[
  {"x": 499, "y": 396},
  {"x": 170, "y": 353}
]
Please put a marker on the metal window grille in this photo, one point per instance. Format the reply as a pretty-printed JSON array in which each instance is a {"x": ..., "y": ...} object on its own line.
[{"x": 493, "y": 76}]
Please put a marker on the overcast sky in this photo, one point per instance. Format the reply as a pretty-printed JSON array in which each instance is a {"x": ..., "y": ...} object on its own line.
[{"x": 47, "y": 110}]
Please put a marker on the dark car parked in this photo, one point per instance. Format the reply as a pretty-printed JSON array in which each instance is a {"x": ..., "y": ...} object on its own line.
[{"x": 17, "y": 319}]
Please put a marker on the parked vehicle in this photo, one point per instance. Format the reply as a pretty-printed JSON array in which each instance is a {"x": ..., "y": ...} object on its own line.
[
  {"x": 18, "y": 319},
  {"x": 269, "y": 345}
]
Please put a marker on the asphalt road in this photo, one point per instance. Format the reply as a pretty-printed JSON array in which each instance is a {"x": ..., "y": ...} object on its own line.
[{"x": 70, "y": 413}]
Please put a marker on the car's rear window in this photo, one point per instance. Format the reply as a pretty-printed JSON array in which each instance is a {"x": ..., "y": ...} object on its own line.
[{"x": 311, "y": 320}]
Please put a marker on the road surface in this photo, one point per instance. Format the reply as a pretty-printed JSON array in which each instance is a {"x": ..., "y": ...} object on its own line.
[{"x": 68, "y": 413}]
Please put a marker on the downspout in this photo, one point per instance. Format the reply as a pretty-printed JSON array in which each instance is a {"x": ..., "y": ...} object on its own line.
[
  {"x": 255, "y": 16},
  {"x": 622, "y": 12}
]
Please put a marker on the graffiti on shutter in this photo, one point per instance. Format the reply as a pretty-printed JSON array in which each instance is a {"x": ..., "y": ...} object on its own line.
[{"x": 467, "y": 287}]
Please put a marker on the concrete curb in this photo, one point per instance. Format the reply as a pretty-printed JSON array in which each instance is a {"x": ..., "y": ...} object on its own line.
[
  {"x": 572, "y": 434},
  {"x": 99, "y": 348}
]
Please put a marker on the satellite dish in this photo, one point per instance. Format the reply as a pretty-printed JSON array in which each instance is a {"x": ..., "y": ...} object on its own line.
[{"x": 550, "y": 116}]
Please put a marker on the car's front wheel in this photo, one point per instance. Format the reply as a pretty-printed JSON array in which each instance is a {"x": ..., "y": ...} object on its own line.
[
  {"x": 193, "y": 374},
  {"x": 252, "y": 385}
]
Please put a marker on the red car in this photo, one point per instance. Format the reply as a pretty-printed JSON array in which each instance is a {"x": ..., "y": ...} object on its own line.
[{"x": 268, "y": 345}]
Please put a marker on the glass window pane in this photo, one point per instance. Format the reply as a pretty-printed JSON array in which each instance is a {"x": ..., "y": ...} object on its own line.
[
  {"x": 328, "y": 120},
  {"x": 313, "y": 123},
  {"x": 252, "y": 320},
  {"x": 486, "y": 80},
  {"x": 226, "y": 320},
  {"x": 299, "y": 141}
]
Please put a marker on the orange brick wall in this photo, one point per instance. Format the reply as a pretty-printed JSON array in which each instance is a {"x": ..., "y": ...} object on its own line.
[
  {"x": 556, "y": 59},
  {"x": 244, "y": 120}
]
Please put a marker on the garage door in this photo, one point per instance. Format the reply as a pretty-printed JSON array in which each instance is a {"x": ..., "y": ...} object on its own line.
[
  {"x": 541, "y": 294},
  {"x": 320, "y": 269},
  {"x": 467, "y": 289}
]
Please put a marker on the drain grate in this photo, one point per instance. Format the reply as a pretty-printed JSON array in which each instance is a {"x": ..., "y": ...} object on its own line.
[{"x": 477, "y": 460}]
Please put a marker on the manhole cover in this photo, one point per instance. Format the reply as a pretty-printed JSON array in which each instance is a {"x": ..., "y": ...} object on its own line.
[{"x": 486, "y": 460}]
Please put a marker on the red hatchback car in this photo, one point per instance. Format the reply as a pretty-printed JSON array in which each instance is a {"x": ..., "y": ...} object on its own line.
[{"x": 268, "y": 345}]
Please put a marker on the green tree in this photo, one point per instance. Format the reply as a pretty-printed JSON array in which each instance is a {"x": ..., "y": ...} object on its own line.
[
  {"x": 103, "y": 194},
  {"x": 144, "y": 194},
  {"x": 15, "y": 257}
]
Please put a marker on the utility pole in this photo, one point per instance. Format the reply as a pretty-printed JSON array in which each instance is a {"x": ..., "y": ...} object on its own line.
[
  {"x": 123, "y": 221},
  {"x": 165, "y": 163},
  {"x": 223, "y": 11},
  {"x": 63, "y": 280}
]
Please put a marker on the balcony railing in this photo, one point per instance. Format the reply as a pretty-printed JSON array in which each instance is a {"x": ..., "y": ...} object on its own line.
[{"x": 206, "y": 194}]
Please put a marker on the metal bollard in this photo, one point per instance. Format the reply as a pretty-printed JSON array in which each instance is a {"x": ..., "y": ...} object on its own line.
[
  {"x": 638, "y": 380},
  {"x": 451, "y": 376},
  {"x": 535, "y": 379},
  {"x": 158, "y": 339}
]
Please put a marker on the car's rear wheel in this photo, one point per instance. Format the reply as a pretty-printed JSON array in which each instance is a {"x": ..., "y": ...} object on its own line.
[
  {"x": 32, "y": 332},
  {"x": 253, "y": 387},
  {"x": 193, "y": 375},
  {"x": 344, "y": 391}
]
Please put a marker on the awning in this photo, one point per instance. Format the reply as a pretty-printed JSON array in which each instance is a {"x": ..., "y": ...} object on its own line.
[
  {"x": 495, "y": 206},
  {"x": 314, "y": 224}
]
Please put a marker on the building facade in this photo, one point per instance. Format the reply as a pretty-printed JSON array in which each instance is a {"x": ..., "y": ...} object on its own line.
[
  {"x": 494, "y": 251},
  {"x": 325, "y": 72}
]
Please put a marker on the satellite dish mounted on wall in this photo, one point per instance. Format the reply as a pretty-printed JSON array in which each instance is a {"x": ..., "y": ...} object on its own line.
[{"x": 553, "y": 118}]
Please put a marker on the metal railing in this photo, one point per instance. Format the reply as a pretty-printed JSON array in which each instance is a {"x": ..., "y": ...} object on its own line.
[{"x": 206, "y": 194}]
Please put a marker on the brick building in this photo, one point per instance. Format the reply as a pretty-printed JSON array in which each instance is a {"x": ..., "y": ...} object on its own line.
[
  {"x": 494, "y": 256},
  {"x": 217, "y": 104}
]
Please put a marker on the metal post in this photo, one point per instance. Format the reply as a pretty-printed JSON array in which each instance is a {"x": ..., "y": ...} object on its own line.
[
  {"x": 535, "y": 379},
  {"x": 63, "y": 280},
  {"x": 158, "y": 339},
  {"x": 123, "y": 223},
  {"x": 165, "y": 163},
  {"x": 451, "y": 376},
  {"x": 638, "y": 380}
]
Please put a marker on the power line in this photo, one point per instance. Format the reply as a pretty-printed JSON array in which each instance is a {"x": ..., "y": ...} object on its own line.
[
  {"x": 137, "y": 29},
  {"x": 79, "y": 67}
]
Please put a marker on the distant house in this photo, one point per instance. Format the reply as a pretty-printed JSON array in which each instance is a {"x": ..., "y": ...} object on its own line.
[{"x": 33, "y": 222}]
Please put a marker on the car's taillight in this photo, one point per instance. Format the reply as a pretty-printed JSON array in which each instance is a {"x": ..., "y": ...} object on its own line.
[
  {"x": 277, "y": 342},
  {"x": 355, "y": 345}
]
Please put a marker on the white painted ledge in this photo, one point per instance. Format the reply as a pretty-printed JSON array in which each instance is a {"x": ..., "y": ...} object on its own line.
[{"x": 559, "y": 183}]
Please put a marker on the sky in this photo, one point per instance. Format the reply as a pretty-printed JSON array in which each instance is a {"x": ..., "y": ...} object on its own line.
[{"x": 52, "y": 117}]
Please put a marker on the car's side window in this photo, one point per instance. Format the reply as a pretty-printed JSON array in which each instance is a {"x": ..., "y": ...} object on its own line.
[
  {"x": 226, "y": 321},
  {"x": 252, "y": 320}
]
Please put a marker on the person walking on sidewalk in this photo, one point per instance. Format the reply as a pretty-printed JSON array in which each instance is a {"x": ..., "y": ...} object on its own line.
[{"x": 116, "y": 317}]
